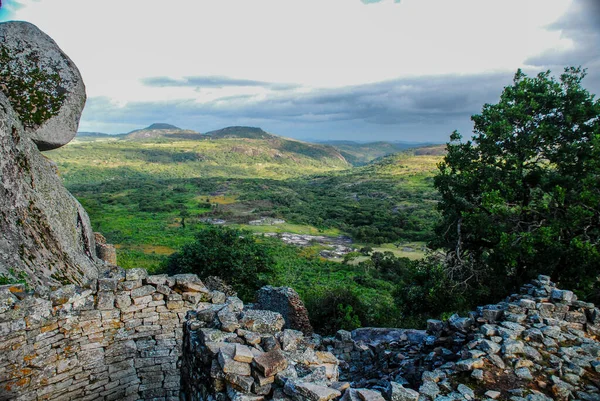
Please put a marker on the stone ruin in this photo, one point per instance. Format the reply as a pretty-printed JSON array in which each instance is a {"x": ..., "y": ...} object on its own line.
[
  {"x": 134, "y": 336},
  {"x": 85, "y": 329}
]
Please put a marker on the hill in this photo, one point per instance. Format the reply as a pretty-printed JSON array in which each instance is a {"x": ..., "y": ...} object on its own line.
[
  {"x": 158, "y": 130},
  {"x": 167, "y": 152},
  {"x": 359, "y": 154},
  {"x": 240, "y": 132}
]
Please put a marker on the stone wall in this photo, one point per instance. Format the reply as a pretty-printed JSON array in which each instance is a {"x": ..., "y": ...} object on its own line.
[{"x": 121, "y": 339}]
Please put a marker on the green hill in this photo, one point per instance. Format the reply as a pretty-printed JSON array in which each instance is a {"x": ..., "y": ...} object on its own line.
[
  {"x": 359, "y": 154},
  {"x": 165, "y": 152},
  {"x": 240, "y": 132}
]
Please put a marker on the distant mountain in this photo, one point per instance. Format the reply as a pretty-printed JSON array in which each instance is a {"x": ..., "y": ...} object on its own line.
[
  {"x": 240, "y": 132},
  {"x": 159, "y": 130},
  {"x": 169, "y": 151},
  {"x": 94, "y": 134}
]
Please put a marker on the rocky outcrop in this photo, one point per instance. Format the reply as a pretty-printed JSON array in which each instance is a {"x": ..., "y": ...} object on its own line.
[
  {"x": 538, "y": 345},
  {"x": 287, "y": 302},
  {"x": 45, "y": 234},
  {"x": 42, "y": 84}
]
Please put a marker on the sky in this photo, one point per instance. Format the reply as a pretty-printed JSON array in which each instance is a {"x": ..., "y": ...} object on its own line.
[{"x": 363, "y": 70}]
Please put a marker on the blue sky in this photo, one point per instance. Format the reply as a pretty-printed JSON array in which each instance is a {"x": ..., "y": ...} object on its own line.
[{"x": 409, "y": 70}]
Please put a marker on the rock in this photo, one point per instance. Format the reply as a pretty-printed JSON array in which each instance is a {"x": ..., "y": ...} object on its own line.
[
  {"x": 104, "y": 251},
  {"x": 243, "y": 354},
  {"x": 229, "y": 365},
  {"x": 397, "y": 392},
  {"x": 214, "y": 283},
  {"x": 63, "y": 295},
  {"x": 262, "y": 321},
  {"x": 429, "y": 389},
  {"x": 45, "y": 233},
  {"x": 489, "y": 347},
  {"x": 467, "y": 392},
  {"x": 469, "y": 364},
  {"x": 375, "y": 336},
  {"x": 270, "y": 363},
  {"x": 32, "y": 66},
  {"x": 136, "y": 274},
  {"x": 287, "y": 302},
  {"x": 228, "y": 320},
  {"x": 369, "y": 395},
  {"x": 524, "y": 373},
  {"x": 308, "y": 391},
  {"x": 459, "y": 323},
  {"x": 239, "y": 382},
  {"x": 493, "y": 394},
  {"x": 289, "y": 339}
]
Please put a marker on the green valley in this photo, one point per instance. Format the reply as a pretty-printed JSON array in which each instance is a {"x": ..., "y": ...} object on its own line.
[{"x": 149, "y": 192}]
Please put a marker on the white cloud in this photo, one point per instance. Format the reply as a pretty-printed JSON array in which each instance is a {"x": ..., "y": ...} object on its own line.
[{"x": 313, "y": 43}]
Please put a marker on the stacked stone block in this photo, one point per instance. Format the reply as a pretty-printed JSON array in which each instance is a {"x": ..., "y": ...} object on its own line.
[
  {"x": 120, "y": 340},
  {"x": 232, "y": 353}
]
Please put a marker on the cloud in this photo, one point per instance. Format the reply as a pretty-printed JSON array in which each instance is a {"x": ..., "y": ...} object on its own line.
[
  {"x": 581, "y": 25},
  {"x": 212, "y": 82},
  {"x": 433, "y": 103}
]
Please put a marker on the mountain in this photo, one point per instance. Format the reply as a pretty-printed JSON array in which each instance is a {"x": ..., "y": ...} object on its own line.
[
  {"x": 167, "y": 151},
  {"x": 160, "y": 130},
  {"x": 240, "y": 132}
]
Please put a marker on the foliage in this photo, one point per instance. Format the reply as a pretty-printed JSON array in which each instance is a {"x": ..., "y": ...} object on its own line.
[
  {"x": 337, "y": 309},
  {"x": 233, "y": 255},
  {"x": 14, "y": 277},
  {"x": 523, "y": 196}
]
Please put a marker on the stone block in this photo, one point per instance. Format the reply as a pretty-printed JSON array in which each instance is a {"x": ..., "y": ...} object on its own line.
[
  {"x": 105, "y": 300},
  {"x": 270, "y": 363},
  {"x": 243, "y": 354},
  {"x": 262, "y": 321},
  {"x": 136, "y": 274}
]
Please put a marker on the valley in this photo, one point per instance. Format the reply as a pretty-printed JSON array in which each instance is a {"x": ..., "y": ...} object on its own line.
[{"x": 148, "y": 191}]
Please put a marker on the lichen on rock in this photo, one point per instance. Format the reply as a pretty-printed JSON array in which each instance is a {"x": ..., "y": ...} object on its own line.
[{"x": 42, "y": 84}]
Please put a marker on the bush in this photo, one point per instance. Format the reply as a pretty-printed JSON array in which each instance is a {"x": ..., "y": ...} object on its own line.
[{"x": 230, "y": 254}]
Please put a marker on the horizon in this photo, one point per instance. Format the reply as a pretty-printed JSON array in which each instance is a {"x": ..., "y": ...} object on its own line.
[
  {"x": 310, "y": 140},
  {"x": 389, "y": 70}
]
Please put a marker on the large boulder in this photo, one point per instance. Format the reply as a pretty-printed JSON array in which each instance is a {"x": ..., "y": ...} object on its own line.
[
  {"x": 287, "y": 302},
  {"x": 42, "y": 84},
  {"x": 45, "y": 234}
]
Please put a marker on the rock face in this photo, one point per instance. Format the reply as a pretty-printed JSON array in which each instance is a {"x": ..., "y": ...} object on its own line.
[
  {"x": 42, "y": 84},
  {"x": 285, "y": 301},
  {"x": 45, "y": 234}
]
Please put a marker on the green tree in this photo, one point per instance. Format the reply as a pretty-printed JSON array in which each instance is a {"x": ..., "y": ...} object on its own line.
[
  {"x": 522, "y": 197},
  {"x": 231, "y": 254}
]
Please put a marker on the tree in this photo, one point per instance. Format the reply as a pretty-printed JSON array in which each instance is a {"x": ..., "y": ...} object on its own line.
[
  {"x": 522, "y": 197},
  {"x": 231, "y": 254}
]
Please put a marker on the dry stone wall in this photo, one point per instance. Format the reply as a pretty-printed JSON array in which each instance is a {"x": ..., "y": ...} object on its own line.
[{"x": 120, "y": 340}]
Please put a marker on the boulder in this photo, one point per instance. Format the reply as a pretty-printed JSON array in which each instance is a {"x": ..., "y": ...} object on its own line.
[
  {"x": 43, "y": 85},
  {"x": 45, "y": 234}
]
